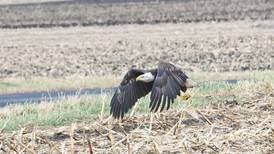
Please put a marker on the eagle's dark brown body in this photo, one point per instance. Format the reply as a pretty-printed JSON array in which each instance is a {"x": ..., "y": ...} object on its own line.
[{"x": 168, "y": 82}]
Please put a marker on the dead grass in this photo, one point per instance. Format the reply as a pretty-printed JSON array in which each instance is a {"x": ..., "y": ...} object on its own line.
[
  {"x": 13, "y": 85},
  {"x": 221, "y": 127}
]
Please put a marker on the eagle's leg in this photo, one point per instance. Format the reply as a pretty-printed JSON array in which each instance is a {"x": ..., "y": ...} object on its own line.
[{"x": 186, "y": 97}]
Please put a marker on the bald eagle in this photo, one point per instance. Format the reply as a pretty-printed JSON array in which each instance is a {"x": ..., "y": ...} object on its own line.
[{"x": 164, "y": 83}]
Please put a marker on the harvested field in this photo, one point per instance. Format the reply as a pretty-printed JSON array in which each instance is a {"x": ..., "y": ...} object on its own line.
[
  {"x": 13, "y": 2},
  {"x": 85, "y": 13},
  {"x": 60, "y": 52},
  {"x": 226, "y": 126}
]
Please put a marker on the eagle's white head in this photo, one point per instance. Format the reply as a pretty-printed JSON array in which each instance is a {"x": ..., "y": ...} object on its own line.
[{"x": 146, "y": 77}]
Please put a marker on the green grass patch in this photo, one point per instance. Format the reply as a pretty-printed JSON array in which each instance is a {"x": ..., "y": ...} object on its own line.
[
  {"x": 88, "y": 108},
  {"x": 53, "y": 113}
]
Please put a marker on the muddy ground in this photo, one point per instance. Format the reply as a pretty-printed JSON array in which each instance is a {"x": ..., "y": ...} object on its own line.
[
  {"x": 225, "y": 126},
  {"x": 89, "y": 51}
]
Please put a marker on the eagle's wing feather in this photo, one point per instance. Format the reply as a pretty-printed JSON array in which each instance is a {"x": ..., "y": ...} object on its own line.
[
  {"x": 128, "y": 92},
  {"x": 167, "y": 85}
]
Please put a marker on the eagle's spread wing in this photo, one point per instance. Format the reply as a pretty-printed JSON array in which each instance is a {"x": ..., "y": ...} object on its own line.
[
  {"x": 167, "y": 85},
  {"x": 128, "y": 92}
]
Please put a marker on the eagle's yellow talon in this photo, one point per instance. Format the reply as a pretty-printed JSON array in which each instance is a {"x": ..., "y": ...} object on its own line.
[{"x": 185, "y": 96}]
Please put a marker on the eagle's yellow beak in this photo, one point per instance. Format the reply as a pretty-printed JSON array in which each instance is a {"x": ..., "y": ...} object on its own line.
[{"x": 139, "y": 78}]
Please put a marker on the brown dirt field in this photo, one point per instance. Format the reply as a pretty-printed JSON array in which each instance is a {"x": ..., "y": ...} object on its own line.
[
  {"x": 89, "y": 51},
  {"x": 74, "y": 13},
  {"x": 222, "y": 127}
]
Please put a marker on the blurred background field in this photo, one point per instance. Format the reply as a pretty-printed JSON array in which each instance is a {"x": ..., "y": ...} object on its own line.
[
  {"x": 111, "y": 50},
  {"x": 113, "y": 12}
]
